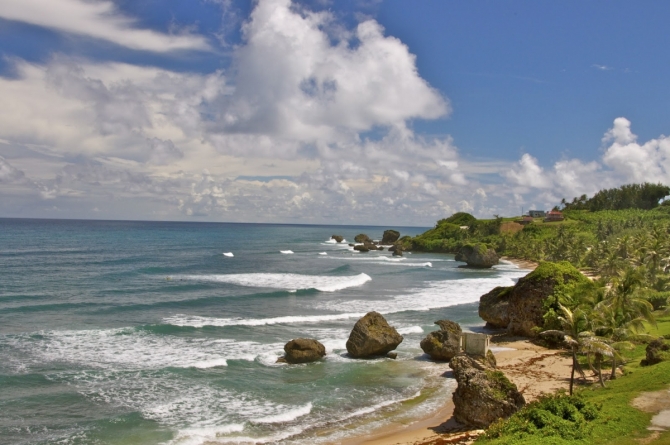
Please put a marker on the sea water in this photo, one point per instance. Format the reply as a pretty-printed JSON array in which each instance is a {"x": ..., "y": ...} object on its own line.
[{"x": 146, "y": 333}]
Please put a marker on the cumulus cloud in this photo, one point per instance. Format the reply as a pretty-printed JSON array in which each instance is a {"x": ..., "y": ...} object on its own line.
[
  {"x": 8, "y": 173},
  {"x": 99, "y": 20}
]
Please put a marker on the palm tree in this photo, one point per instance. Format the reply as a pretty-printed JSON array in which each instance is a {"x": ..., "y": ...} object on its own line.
[{"x": 572, "y": 324}]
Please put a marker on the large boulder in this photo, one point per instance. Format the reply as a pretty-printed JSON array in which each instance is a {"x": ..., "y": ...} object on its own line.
[
  {"x": 528, "y": 298},
  {"x": 477, "y": 255},
  {"x": 337, "y": 238},
  {"x": 362, "y": 248},
  {"x": 494, "y": 307},
  {"x": 371, "y": 336},
  {"x": 483, "y": 395},
  {"x": 397, "y": 251},
  {"x": 657, "y": 350},
  {"x": 362, "y": 238},
  {"x": 444, "y": 344},
  {"x": 304, "y": 350},
  {"x": 390, "y": 237}
]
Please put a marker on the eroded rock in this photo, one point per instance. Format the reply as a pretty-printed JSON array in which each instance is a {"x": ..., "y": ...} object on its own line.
[
  {"x": 494, "y": 307},
  {"x": 390, "y": 237},
  {"x": 483, "y": 395},
  {"x": 477, "y": 255},
  {"x": 337, "y": 238},
  {"x": 304, "y": 350},
  {"x": 371, "y": 336}
]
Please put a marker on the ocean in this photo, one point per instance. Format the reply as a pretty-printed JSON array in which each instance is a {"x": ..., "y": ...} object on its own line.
[{"x": 117, "y": 332}]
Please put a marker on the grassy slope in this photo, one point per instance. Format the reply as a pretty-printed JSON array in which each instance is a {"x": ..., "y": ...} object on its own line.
[{"x": 618, "y": 422}]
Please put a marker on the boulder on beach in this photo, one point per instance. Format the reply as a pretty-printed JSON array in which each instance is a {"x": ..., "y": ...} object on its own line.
[
  {"x": 337, "y": 238},
  {"x": 372, "y": 336},
  {"x": 304, "y": 350},
  {"x": 483, "y": 395},
  {"x": 362, "y": 238},
  {"x": 390, "y": 237},
  {"x": 494, "y": 307},
  {"x": 528, "y": 297},
  {"x": 477, "y": 255},
  {"x": 444, "y": 344}
]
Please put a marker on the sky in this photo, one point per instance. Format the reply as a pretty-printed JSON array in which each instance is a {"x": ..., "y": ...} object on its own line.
[{"x": 381, "y": 112}]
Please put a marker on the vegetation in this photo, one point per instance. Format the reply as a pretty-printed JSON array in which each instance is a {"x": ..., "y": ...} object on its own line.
[{"x": 621, "y": 237}]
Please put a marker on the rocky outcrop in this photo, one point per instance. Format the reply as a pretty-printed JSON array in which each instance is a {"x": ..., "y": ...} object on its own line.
[
  {"x": 483, "y": 395},
  {"x": 337, "y": 238},
  {"x": 657, "y": 351},
  {"x": 444, "y": 344},
  {"x": 362, "y": 238},
  {"x": 303, "y": 350},
  {"x": 527, "y": 299},
  {"x": 477, "y": 255},
  {"x": 397, "y": 251},
  {"x": 371, "y": 336},
  {"x": 390, "y": 237},
  {"x": 494, "y": 307},
  {"x": 362, "y": 248},
  {"x": 521, "y": 308}
]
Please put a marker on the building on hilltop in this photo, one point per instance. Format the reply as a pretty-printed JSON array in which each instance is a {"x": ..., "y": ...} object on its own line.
[
  {"x": 554, "y": 215},
  {"x": 536, "y": 213}
]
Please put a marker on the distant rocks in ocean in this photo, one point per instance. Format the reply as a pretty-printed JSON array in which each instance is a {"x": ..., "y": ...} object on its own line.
[
  {"x": 390, "y": 237},
  {"x": 337, "y": 238},
  {"x": 361, "y": 248},
  {"x": 397, "y": 250},
  {"x": 362, "y": 238},
  {"x": 372, "y": 336},
  {"x": 444, "y": 344},
  {"x": 303, "y": 350},
  {"x": 484, "y": 394},
  {"x": 477, "y": 255}
]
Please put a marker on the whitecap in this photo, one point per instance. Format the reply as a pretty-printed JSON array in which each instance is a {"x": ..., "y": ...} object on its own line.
[
  {"x": 411, "y": 330},
  {"x": 287, "y": 416},
  {"x": 228, "y": 254},
  {"x": 286, "y": 252},
  {"x": 323, "y": 253},
  {"x": 199, "y": 322},
  {"x": 286, "y": 281}
]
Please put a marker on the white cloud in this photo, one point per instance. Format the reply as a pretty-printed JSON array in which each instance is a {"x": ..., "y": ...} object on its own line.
[
  {"x": 8, "y": 173},
  {"x": 97, "y": 19}
]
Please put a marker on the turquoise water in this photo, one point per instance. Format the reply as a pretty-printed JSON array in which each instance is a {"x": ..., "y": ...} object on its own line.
[{"x": 145, "y": 333}]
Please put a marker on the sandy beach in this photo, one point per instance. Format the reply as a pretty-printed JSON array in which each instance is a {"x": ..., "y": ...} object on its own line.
[{"x": 534, "y": 369}]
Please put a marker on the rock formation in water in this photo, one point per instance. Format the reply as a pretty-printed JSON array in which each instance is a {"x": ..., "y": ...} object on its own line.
[
  {"x": 371, "y": 336},
  {"x": 362, "y": 238},
  {"x": 483, "y": 395},
  {"x": 390, "y": 237},
  {"x": 337, "y": 238},
  {"x": 304, "y": 350},
  {"x": 444, "y": 344},
  {"x": 477, "y": 255}
]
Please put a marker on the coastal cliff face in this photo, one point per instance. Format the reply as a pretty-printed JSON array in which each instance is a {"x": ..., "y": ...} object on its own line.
[
  {"x": 483, "y": 395},
  {"x": 521, "y": 308}
]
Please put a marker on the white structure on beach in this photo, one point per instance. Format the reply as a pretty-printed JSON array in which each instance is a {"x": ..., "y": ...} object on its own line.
[{"x": 475, "y": 344}]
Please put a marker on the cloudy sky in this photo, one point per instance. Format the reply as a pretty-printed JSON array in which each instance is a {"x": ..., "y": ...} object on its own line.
[{"x": 357, "y": 111}]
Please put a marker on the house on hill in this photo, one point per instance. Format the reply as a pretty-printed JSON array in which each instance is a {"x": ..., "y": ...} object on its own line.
[
  {"x": 554, "y": 215},
  {"x": 536, "y": 213}
]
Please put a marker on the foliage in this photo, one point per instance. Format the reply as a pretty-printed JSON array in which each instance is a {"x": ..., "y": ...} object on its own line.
[
  {"x": 460, "y": 219},
  {"x": 560, "y": 415},
  {"x": 631, "y": 196}
]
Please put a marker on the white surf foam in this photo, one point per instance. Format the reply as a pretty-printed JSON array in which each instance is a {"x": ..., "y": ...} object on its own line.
[
  {"x": 228, "y": 254},
  {"x": 286, "y": 252},
  {"x": 287, "y": 416},
  {"x": 199, "y": 322},
  {"x": 411, "y": 330},
  {"x": 287, "y": 281},
  {"x": 323, "y": 253}
]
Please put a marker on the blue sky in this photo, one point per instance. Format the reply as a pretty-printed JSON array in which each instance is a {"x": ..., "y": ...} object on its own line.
[{"x": 326, "y": 112}]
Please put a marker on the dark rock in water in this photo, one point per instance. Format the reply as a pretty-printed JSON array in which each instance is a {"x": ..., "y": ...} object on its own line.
[
  {"x": 304, "y": 350},
  {"x": 393, "y": 248},
  {"x": 372, "y": 336},
  {"x": 393, "y": 355},
  {"x": 337, "y": 238},
  {"x": 351, "y": 244},
  {"x": 361, "y": 248},
  {"x": 281, "y": 360},
  {"x": 528, "y": 296},
  {"x": 362, "y": 238},
  {"x": 380, "y": 248},
  {"x": 657, "y": 351},
  {"x": 483, "y": 395},
  {"x": 441, "y": 345},
  {"x": 397, "y": 251},
  {"x": 477, "y": 255},
  {"x": 390, "y": 237},
  {"x": 494, "y": 307}
]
